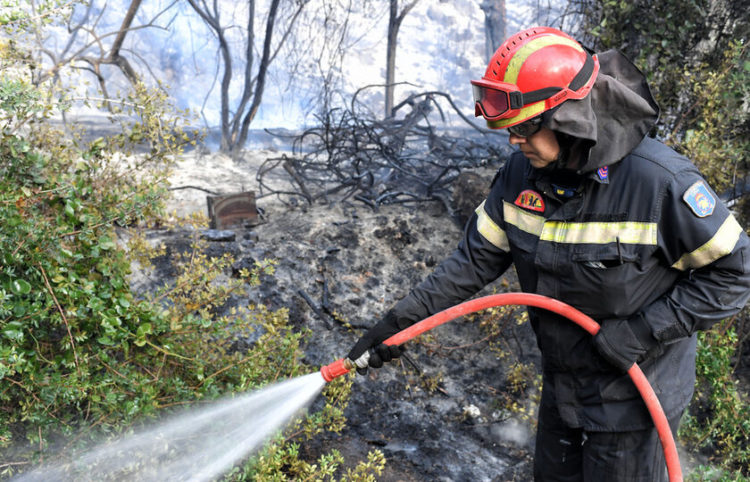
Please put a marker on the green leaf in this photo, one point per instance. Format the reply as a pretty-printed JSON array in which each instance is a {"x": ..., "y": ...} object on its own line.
[
  {"x": 105, "y": 340},
  {"x": 20, "y": 287},
  {"x": 106, "y": 245},
  {"x": 19, "y": 310},
  {"x": 13, "y": 331},
  {"x": 143, "y": 330}
]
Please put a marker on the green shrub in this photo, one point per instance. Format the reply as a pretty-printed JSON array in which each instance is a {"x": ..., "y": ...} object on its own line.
[
  {"x": 720, "y": 413},
  {"x": 81, "y": 355},
  {"x": 697, "y": 62}
]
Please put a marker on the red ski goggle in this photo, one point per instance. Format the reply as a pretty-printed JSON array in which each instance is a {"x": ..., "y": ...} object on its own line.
[{"x": 496, "y": 100}]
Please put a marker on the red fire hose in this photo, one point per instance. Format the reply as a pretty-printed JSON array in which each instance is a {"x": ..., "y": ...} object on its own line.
[{"x": 344, "y": 365}]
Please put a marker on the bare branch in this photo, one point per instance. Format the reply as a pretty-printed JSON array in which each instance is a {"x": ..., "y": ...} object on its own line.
[{"x": 351, "y": 154}]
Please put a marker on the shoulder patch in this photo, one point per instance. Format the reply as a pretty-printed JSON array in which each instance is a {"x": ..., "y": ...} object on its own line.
[
  {"x": 699, "y": 199},
  {"x": 529, "y": 199},
  {"x": 603, "y": 173}
]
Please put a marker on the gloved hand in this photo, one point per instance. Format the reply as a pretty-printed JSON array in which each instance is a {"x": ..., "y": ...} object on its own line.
[
  {"x": 372, "y": 341},
  {"x": 625, "y": 342}
]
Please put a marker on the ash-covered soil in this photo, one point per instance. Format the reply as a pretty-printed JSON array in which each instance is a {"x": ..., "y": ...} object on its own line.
[
  {"x": 448, "y": 422},
  {"x": 448, "y": 416}
]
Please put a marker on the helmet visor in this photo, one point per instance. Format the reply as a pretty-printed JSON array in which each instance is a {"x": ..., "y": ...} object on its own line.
[{"x": 490, "y": 103}]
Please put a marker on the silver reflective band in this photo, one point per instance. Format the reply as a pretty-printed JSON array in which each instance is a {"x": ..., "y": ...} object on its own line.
[
  {"x": 490, "y": 230},
  {"x": 721, "y": 244}
]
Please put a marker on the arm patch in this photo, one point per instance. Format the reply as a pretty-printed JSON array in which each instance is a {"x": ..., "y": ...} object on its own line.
[{"x": 699, "y": 199}]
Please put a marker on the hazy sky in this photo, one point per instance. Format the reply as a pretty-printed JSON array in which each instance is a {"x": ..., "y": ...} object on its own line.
[{"x": 440, "y": 48}]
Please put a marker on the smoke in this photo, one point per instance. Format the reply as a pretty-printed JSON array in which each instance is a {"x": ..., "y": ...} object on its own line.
[
  {"x": 440, "y": 48},
  {"x": 512, "y": 431}
]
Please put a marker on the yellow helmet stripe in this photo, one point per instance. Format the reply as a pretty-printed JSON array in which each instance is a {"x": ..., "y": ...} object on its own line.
[
  {"x": 515, "y": 64},
  {"x": 531, "y": 110},
  {"x": 721, "y": 244}
]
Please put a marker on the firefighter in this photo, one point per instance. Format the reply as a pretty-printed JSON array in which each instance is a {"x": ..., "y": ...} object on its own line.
[{"x": 594, "y": 213}]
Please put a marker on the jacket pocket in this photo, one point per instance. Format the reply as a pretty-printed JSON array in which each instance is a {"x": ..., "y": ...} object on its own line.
[
  {"x": 606, "y": 282},
  {"x": 622, "y": 388}
]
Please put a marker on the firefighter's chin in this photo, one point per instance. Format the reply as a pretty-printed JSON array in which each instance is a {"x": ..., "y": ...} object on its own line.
[{"x": 538, "y": 162}]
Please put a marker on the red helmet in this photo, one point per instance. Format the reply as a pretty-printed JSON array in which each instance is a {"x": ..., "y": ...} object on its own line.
[{"x": 530, "y": 73}]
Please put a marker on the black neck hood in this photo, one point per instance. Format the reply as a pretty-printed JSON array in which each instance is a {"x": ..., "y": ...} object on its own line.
[{"x": 612, "y": 120}]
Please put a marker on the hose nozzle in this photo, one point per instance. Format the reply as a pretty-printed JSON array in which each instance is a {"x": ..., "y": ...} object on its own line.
[{"x": 342, "y": 366}]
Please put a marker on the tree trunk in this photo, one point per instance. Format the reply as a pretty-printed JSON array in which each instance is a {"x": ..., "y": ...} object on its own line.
[
  {"x": 494, "y": 25},
  {"x": 111, "y": 57},
  {"x": 236, "y": 119},
  {"x": 260, "y": 85},
  {"x": 394, "y": 23}
]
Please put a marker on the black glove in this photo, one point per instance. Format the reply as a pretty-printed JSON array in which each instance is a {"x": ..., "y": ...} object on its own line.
[
  {"x": 372, "y": 340},
  {"x": 625, "y": 342}
]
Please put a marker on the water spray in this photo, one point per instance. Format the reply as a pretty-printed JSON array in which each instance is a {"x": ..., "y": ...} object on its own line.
[
  {"x": 202, "y": 442},
  {"x": 344, "y": 365}
]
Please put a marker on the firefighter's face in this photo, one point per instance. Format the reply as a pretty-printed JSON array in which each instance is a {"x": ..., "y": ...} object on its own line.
[{"x": 541, "y": 148}]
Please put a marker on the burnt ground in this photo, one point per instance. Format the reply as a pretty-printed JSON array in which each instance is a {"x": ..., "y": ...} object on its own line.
[{"x": 451, "y": 420}]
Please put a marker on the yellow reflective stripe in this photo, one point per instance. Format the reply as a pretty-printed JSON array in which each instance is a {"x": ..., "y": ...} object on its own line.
[
  {"x": 628, "y": 232},
  {"x": 515, "y": 64},
  {"x": 523, "y": 220},
  {"x": 531, "y": 110},
  {"x": 490, "y": 230},
  {"x": 720, "y": 245}
]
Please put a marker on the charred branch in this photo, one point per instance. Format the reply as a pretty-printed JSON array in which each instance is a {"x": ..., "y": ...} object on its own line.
[{"x": 410, "y": 158}]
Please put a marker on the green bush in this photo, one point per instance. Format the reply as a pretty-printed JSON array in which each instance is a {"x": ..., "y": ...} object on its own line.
[
  {"x": 67, "y": 312},
  {"x": 719, "y": 418},
  {"x": 697, "y": 62},
  {"x": 81, "y": 355}
]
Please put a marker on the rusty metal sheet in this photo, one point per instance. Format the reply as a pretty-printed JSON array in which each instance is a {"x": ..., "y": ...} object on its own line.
[{"x": 235, "y": 209}]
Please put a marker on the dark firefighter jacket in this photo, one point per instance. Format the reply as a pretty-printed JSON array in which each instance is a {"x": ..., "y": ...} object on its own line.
[{"x": 641, "y": 235}]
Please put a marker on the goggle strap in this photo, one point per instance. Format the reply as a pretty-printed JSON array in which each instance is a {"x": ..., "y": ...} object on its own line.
[
  {"x": 540, "y": 94},
  {"x": 516, "y": 99},
  {"x": 583, "y": 75},
  {"x": 581, "y": 78}
]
